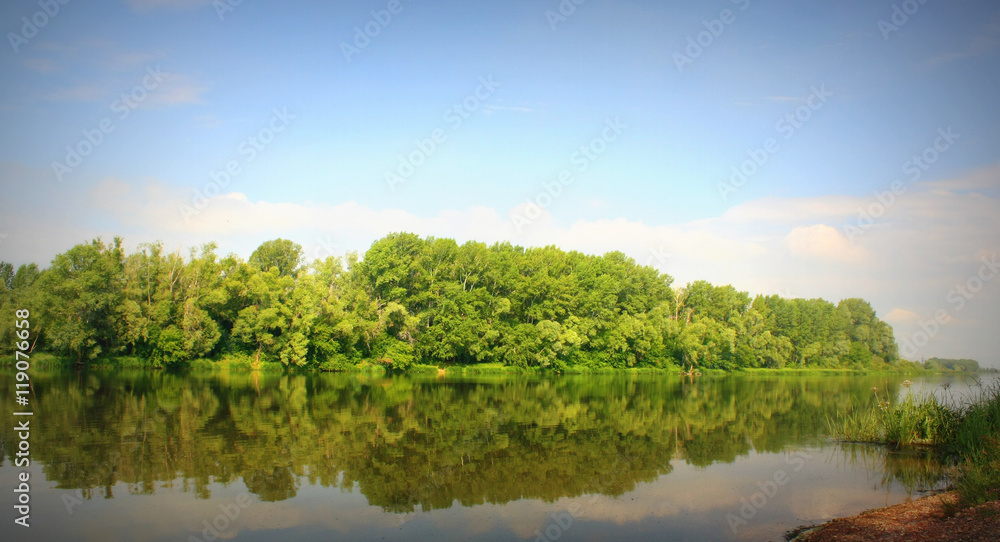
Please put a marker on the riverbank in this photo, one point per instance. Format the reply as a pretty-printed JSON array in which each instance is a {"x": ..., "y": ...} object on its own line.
[
  {"x": 967, "y": 430},
  {"x": 246, "y": 362},
  {"x": 930, "y": 518}
]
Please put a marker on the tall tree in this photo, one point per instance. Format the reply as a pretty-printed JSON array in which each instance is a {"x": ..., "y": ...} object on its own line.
[{"x": 84, "y": 292}]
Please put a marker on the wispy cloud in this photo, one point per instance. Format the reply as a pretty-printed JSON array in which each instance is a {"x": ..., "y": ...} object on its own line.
[
  {"x": 110, "y": 72},
  {"x": 85, "y": 92},
  {"x": 84, "y": 46},
  {"x": 40, "y": 65},
  {"x": 131, "y": 60},
  {"x": 987, "y": 42},
  {"x": 175, "y": 89},
  {"x": 983, "y": 180},
  {"x": 178, "y": 89}
]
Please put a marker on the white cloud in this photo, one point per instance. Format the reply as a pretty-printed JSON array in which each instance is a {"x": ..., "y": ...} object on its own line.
[
  {"x": 901, "y": 316},
  {"x": 823, "y": 243},
  {"x": 773, "y": 209}
]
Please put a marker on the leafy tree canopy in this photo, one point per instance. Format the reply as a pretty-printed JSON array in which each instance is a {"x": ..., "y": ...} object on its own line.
[{"x": 411, "y": 300}]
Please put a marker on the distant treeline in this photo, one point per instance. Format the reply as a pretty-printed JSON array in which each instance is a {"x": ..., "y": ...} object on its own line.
[
  {"x": 964, "y": 365},
  {"x": 420, "y": 300}
]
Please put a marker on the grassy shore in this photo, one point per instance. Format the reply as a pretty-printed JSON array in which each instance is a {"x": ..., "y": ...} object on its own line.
[{"x": 968, "y": 430}]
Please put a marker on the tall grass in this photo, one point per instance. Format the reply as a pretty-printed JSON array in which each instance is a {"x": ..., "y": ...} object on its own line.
[
  {"x": 977, "y": 440},
  {"x": 913, "y": 421},
  {"x": 968, "y": 430}
]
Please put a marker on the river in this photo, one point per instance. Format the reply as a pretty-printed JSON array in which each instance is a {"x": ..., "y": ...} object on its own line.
[{"x": 246, "y": 456}]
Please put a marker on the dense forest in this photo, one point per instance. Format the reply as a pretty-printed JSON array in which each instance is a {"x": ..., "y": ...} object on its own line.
[{"x": 411, "y": 300}]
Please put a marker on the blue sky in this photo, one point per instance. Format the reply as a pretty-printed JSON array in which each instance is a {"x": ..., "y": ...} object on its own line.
[{"x": 832, "y": 103}]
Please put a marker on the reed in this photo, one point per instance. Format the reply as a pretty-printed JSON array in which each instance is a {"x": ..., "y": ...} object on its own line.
[
  {"x": 913, "y": 421},
  {"x": 968, "y": 430}
]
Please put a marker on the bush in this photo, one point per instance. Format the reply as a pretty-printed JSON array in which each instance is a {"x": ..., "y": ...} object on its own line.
[
  {"x": 395, "y": 355},
  {"x": 339, "y": 363}
]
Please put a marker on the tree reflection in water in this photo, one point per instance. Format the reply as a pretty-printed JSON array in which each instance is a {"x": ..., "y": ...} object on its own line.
[{"x": 427, "y": 443}]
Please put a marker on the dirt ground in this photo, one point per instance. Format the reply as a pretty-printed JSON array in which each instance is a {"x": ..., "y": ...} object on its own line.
[{"x": 916, "y": 521}]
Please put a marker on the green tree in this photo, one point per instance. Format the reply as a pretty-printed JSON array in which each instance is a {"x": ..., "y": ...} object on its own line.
[
  {"x": 431, "y": 299},
  {"x": 17, "y": 293},
  {"x": 280, "y": 253},
  {"x": 84, "y": 292}
]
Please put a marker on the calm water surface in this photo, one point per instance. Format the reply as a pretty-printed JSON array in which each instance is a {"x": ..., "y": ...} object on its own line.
[{"x": 154, "y": 456}]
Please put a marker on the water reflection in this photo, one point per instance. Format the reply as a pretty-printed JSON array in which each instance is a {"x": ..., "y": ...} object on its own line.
[
  {"x": 916, "y": 470},
  {"x": 411, "y": 445}
]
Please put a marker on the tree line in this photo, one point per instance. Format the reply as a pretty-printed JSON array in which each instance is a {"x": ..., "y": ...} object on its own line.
[
  {"x": 430, "y": 300},
  {"x": 960, "y": 365}
]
